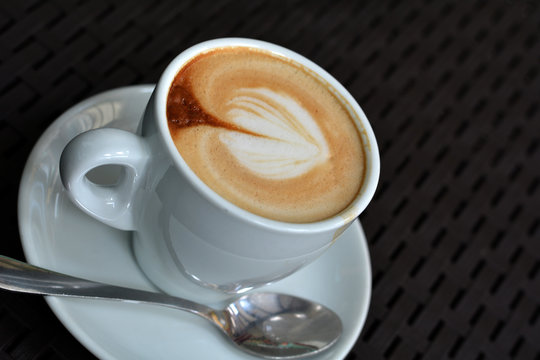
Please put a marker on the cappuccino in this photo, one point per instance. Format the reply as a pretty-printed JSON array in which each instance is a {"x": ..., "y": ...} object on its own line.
[{"x": 266, "y": 133}]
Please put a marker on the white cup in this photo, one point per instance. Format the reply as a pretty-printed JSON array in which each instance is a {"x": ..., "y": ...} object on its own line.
[{"x": 181, "y": 227}]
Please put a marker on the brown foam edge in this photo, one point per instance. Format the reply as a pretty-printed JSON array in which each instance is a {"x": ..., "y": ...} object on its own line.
[{"x": 349, "y": 214}]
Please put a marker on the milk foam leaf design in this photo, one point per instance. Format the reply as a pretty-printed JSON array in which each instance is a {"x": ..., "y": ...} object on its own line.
[{"x": 290, "y": 142}]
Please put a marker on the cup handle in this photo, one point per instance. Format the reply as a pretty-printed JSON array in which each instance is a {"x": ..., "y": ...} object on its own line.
[{"x": 112, "y": 205}]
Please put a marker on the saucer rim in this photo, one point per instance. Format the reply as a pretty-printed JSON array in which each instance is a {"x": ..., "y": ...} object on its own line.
[{"x": 57, "y": 305}]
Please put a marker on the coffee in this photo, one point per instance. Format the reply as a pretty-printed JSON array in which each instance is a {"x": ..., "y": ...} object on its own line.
[{"x": 266, "y": 133}]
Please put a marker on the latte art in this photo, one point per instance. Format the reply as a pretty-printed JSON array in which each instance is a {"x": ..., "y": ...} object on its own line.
[
  {"x": 290, "y": 142},
  {"x": 266, "y": 134}
]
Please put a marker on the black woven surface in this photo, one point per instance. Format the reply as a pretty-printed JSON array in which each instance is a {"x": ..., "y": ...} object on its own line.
[{"x": 452, "y": 90}]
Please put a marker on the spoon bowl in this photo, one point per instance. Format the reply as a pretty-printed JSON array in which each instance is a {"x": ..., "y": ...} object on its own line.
[
  {"x": 269, "y": 325},
  {"x": 280, "y": 326}
]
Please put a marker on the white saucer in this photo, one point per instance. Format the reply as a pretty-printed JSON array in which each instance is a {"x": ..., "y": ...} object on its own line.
[{"x": 58, "y": 236}]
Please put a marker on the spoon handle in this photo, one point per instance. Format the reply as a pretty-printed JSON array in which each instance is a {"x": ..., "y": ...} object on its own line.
[{"x": 22, "y": 277}]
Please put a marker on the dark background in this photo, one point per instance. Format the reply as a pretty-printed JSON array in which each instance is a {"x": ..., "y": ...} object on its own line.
[{"x": 452, "y": 89}]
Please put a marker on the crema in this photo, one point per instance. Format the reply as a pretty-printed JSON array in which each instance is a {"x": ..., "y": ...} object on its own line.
[{"x": 267, "y": 134}]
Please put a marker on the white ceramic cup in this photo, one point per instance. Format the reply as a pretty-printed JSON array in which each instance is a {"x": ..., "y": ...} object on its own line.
[{"x": 181, "y": 227}]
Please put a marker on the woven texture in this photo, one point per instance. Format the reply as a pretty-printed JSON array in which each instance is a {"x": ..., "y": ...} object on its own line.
[{"x": 452, "y": 90}]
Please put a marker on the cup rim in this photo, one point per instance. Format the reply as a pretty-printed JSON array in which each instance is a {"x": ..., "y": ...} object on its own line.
[{"x": 372, "y": 171}]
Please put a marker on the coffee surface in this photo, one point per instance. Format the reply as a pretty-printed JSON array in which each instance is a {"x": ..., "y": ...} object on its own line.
[{"x": 266, "y": 133}]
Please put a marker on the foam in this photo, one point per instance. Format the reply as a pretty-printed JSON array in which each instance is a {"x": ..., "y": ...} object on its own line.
[
  {"x": 290, "y": 142},
  {"x": 266, "y": 134}
]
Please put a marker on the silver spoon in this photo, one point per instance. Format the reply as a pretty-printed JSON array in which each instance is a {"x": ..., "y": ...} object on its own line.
[{"x": 269, "y": 325}]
